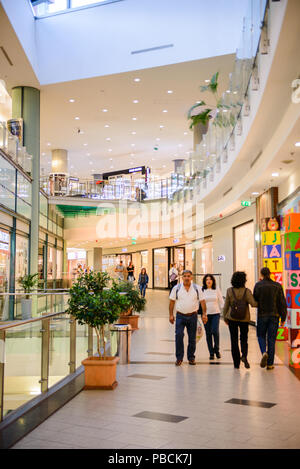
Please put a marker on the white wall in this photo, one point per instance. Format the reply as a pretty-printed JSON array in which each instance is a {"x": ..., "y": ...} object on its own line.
[
  {"x": 222, "y": 235},
  {"x": 99, "y": 41},
  {"x": 289, "y": 185}
]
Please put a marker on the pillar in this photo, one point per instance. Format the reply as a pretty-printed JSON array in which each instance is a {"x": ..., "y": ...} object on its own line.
[
  {"x": 59, "y": 161},
  {"x": 97, "y": 259},
  {"x": 26, "y": 105}
]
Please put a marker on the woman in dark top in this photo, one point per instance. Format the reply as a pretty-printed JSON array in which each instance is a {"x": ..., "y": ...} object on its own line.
[
  {"x": 143, "y": 281},
  {"x": 130, "y": 271},
  {"x": 242, "y": 295}
]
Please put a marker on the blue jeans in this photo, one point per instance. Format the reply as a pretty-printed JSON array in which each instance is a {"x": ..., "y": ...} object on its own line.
[
  {"x": 190, "y": 323},
  {"x": 143, "y": 287},
  {"x": 212, "y": 332},
  {"x": 267, "y": 327}
]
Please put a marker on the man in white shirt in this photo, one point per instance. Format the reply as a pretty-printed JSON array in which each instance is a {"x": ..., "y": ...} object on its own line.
[
  {"x": 120, "y": 269},
  {"x": 186, "y": 298}
]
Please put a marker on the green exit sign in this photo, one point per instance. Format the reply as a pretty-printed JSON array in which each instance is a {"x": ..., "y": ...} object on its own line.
[{"x": 245, "y": 203}]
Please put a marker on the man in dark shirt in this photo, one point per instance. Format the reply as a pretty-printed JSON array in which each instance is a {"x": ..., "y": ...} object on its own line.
[{"x": 271, "y": 306}]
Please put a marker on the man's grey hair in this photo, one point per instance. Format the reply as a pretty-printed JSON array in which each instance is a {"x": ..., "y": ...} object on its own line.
[{"x": 187, "y": 272}]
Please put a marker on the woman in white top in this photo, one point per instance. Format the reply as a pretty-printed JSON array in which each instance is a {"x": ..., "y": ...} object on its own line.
[{"x": 214, "y": 305}]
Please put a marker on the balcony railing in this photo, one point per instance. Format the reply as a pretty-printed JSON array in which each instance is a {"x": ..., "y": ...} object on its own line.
[{"x": 10, "y": 144}]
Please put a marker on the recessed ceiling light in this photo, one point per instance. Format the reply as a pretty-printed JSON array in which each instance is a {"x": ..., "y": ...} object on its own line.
[
  {"x": 72, "y": 100},
  {"x": 185, "y": 133},
  {"x": 158, "y": 139},
  {"x": 109, "y": 149},
  {"x": 108, "y": 139},
  {"x": 110, "y": 159},
  {"x": 133, "y": 144},
  {"x": 136, "y": 80},
  {"x": 297, "y": 144},
  {"x": 169, "y": 91},
  {"x": 255, "y": 193},
  {"x": 135, "y": 101},
  {"x": 207, "y": 81},
  {"x": 165, "y": 110},
  {"x": 106, "y": 125},
  {"x": 133, "y": 133},
  {"x": 85, "y": 144},
  {"x": 161, "y": 126},
  {"x": 275, "y": 175},
  {"x": 88, "y": 154},
  {"x": 134, "y": 118},
  {"x": 164, "y": 165},
  {"x": 77, "y": 118},
  {"x": 104, "y": 110},
  {"x": 48, "y": 144},
  {"x": 180, "y": 145}
]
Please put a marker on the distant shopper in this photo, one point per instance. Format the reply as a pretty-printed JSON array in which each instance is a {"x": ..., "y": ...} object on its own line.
[
  {"x": 143, "y": 281},
  {"x": 237, "y": 316},
  {"x": 173, "y": 276},
  {"x": 120, "y": 270},
  {"x": 271, "y": 306},
  {"x": 185, "y": 297},
  {"x": 214, "y": 304},
  {"x": 130, "y": 272}
]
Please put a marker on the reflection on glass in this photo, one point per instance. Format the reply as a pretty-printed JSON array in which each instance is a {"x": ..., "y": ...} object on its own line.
[
  {"x": 81, "y": 3},
  {"x": 161, "y": 268},
  {"x": 22, "y": 371},
  {"x": 59, "y": 349}
]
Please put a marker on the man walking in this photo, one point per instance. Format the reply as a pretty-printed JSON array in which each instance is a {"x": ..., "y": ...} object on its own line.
[
  {"x": 271, "y": 306},
  {"x": 186, "y": 296}
]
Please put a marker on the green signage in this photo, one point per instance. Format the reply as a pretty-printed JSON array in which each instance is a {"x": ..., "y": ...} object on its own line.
[{"x": 245, "y": 203}]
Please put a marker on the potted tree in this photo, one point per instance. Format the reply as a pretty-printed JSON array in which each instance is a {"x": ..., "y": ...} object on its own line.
[
  {"x": 136, "y": 303},
  {"x": 91, "y": 302},
  {"x": 28, "y": 282}
]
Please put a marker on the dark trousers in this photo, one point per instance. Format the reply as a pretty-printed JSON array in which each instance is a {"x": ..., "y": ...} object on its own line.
[
  {"x": 234, "y": 327},
  {"x": 266, "y": 331},
  {"x": 143, "y": 287},
  {"x": 212, "y": 333},
  {"x": 190, "y": 323}
]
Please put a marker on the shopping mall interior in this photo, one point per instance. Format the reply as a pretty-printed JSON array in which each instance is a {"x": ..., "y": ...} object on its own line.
[{"x": 152, "y": 135}]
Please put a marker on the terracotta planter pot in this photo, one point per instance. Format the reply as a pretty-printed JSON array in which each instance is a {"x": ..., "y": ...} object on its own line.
[
  {"x": 100, "y": 373},
  {"x": 133, "y": 320}
]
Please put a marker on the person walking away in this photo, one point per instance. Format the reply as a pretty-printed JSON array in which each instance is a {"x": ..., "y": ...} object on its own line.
[
  {"x": 120, "y": 269},
  {"x": 214, "y": 304},
  {"x": 143, "y": 282},
  {"x": 236, "y": 315},
  {"x": 271, "y": 306},
  {"x": 130, "y": 272},
  {"x": 173, "y": 276},
  {"x": 185, "y": 298}
]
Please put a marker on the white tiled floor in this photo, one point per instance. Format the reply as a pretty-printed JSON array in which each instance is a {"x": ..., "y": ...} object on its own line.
[{"x": 105, "y": 419}]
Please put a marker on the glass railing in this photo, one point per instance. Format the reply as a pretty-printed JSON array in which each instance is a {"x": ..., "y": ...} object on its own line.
[
  {"x": 18, "y": 305},
  {"x": 41, "y": 352},
  {"x": 116, "y": 190},
  {"x": 212, "y": 152},
  {"x": 10, "y": 144}
]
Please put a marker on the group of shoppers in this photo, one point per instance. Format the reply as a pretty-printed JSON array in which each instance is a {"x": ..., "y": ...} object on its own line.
[
  {"x": 143, "y": 279},
  {"x": 189, "y": 300}
]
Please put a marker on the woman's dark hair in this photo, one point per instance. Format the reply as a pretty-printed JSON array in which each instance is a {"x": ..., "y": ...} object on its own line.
[
  {"x": 238, "y": 279},
  {"x": 144, "y": 271},
  {"x": 214, "y": 286}
]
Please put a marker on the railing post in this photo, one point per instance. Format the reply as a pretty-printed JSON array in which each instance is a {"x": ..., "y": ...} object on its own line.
[
  {"x": 72, "y": 363},
  {"x": 90, "y": 341},
  {"x": 2, "y": 363},
  {"x": 45, "y": 354}
]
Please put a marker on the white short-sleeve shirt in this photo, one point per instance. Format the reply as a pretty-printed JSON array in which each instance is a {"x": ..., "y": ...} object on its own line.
[{"x": 187, "y": 301}]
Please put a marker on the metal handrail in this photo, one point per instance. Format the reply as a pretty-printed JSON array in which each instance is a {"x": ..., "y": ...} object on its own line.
[{"x": 21, "y": 322}]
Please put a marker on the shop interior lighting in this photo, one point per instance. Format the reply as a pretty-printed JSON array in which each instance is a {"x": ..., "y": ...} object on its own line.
[
  {"x": 104, "y": 110},
  {"x": 77, "y": 118},
  {"x": 170, "y": 92},
  {"x": 135, "y": 101},
  {"x": 297, "y": 144},
  {"x": 275, "y": 175},
  {"x": 137, "y": 80},
  {"x": 72, "y": 100}
]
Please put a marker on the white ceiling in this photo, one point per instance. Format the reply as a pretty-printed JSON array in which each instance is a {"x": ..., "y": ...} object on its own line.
[{"x": 90, "y": 150}]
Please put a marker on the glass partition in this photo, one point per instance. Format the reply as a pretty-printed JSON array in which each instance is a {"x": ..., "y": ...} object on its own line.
[
  {"x": 59, "y": 349},
  {"x": 161, "y": 268},
  {"x": 22, "y": 370}
]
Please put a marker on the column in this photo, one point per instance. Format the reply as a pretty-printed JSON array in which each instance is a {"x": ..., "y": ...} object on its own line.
[
  {"x": 26, "y": 105},
  {"x": 59, "y": 161},
  {"x": 97, "y": 259}
]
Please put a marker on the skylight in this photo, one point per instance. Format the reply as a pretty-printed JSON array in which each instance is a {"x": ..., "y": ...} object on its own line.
[{"x": 49, "y": 7}]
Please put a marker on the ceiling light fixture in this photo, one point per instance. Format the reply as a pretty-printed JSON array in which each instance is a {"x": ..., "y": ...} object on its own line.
[
  {"x": 85, "y": 144},
  {"x": 165, "y": 110},
  {"x": 297, "y": 144},
  {"x": 133, "y": 144},
  {"x": 104, "y": 110},
  {"x": 77, "y": 118},
  {"x": 137, "y": 80},
  {"x": 134, "y": 118},
  {"x": 255, "y": 193},
  {"x": 133, "y": 133},
  {"x": 170, "y": 92},
  {"x": 161, "y": 126},
  {"x": 109, "y": 149},
  {"x": 275, "y": 175},
  {"x": 135, "y": 101},
  {"x": 72, "y": 100},
  {"x": 106, "y": 126}
]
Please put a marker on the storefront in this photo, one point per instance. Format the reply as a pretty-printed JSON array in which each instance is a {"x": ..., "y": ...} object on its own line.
[{"x": 4, "y": 272}]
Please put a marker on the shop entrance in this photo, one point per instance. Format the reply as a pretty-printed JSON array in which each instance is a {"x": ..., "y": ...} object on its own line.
[{"x": 162, "y": 259}]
